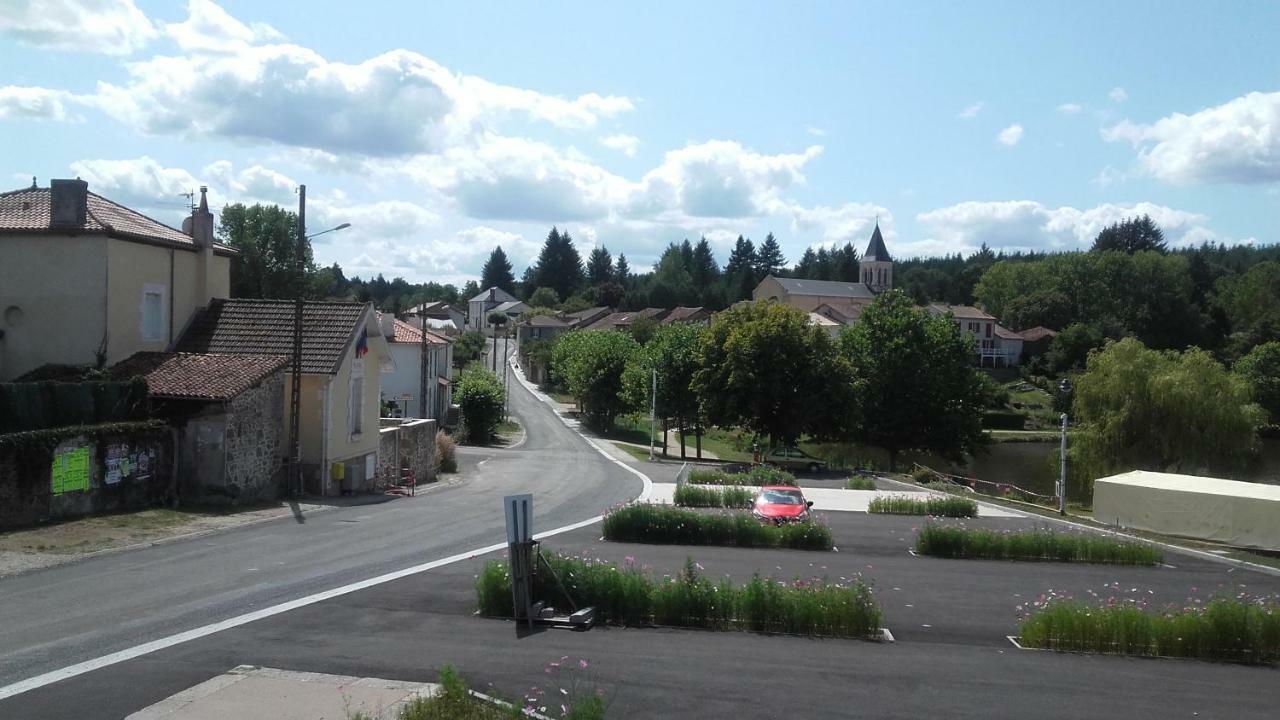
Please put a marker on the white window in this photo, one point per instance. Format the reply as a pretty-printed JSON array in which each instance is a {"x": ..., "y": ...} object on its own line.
[
  {"x": 355, "y": 408},
  {"x": 153, "y": 313}
]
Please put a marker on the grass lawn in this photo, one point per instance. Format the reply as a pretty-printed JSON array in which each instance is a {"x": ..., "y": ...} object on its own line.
[
  {"x": 103, "y": 531},
  {"x": 560, "y": 397},
  {"x": 1037, "y": 418}
]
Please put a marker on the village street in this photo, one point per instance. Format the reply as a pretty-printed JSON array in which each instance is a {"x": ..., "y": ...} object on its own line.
[{"x": 59, "y": 616}]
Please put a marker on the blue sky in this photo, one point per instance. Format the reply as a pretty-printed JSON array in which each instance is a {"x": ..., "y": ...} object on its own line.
[{"x": 438, "y": 131}]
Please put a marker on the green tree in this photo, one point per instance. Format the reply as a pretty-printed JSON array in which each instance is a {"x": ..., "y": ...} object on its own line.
[
  {"x": 599, "y": 266},
  {"x": 1130, "y": 236},
  {"x": 590, "y": 364},
  {"x": 914, "y": 379},
  {"x": 1144, "y": 409},
  {"x": 1251, "y": 303},
  {"x": 769, "y": 259},
  {"x": 763, "y": 367},
  {"x": 1261, "y": 369},
  {"x": 805, "y": 268},
  {"x": 673, "y": 353},
  {"x": 496, "y": 320},
  {"x": 480, "y": 403},
  {"x": 642, "y": 328},
  {"x": 740, "y": 271},
  {"x": 497, "y": 271},
  {"x": 559, "y": 266},
  {"x": 622, "y": 271},
  {"x": 845, "y": 263},
  {"x": 705, "y": 271},
  {"x": 267, "y": 238},
  {"x": 543, "y": 297},
  {"x": 1069, "y": 351},
  {"x": 467, "y": 348}
]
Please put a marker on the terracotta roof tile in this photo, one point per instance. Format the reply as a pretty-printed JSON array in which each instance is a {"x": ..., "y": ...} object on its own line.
[
  {"x": 265, "y": 327},
  {"x": 196, "y": 376},
  {"x": 407, "y": 333},
  {"x": 28, "y": 210}
]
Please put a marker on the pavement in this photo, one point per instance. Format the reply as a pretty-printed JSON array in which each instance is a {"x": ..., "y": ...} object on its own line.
[
  {"x": 950, "y": 618},
  {"x": 839, "y": 499}
]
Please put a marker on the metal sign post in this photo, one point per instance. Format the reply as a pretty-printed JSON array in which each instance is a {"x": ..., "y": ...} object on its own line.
[{"x": 519, "y": 511}]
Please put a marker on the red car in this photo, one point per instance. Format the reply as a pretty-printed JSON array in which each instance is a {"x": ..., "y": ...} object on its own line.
[{"x": 780, "y": 504}]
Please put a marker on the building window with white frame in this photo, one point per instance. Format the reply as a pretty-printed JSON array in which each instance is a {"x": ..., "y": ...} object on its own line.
[
  {"x": 355, "y": 407},
  {"x": 153, "y": 312}
]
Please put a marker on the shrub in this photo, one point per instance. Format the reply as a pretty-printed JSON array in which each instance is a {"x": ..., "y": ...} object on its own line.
[
  {"x": 758, "y": 475},
  {"x": 858, "y": 482},
  {"x": 665, "y": 524},
  {"x": 628, "y": 596},
  {"x": 480, "y": 400},
  {"x": 955, "y": 507},
  {"x": 698, "y": 496},
  {"x": 923, "y": 475},
  {"x": 955, "y": 542},
  {"x": 446, "y": 453},
  {"x": 1003, "y": 421},
  {"x": 1226, "y": 629}
]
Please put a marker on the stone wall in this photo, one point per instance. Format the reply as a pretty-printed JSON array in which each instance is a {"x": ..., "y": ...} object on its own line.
[
  {"x": 388, "y": 466},
  {"x": 91, "y": 473},
  {"x": 255, "y": 443},
  {"x": 418, "y": 448}
]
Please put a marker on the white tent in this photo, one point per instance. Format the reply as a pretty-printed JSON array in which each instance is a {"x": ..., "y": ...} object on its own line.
[{"x": 1241, "y": 514}]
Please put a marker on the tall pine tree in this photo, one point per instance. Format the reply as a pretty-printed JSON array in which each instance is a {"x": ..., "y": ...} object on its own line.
[
  {"x": 559, "y": 266},
  {"x": 740, "y": 271},
  {"x": 497, "y": 272},
  {"x": 599, "y": 266},
  {"x": 622, "y": 271},
  {"x": 769, "y": 259},
  {"x": 704, "y": 269}
]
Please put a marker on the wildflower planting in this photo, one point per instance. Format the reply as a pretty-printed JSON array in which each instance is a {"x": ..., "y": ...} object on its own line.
[
  {"x": 956, "y": 542},
  {"x": 705, "y": 496},
  {"x": 858, "y": 482},
  {"x": 1226, "y": 629},
  {"x": 668, "y": 525},
  {"x": 627, "y": 595},
  {"x": 758, "y": 475},
  {"x": 953, "y": 507}
]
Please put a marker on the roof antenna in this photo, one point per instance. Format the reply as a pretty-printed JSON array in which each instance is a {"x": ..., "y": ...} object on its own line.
[{"x": 191, "y": 201}]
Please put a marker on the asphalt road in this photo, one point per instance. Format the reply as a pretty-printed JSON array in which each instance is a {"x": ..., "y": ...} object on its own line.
[{"x": 62, "y": 615}]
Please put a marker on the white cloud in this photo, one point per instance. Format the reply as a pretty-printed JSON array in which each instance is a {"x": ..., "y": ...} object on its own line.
[
  {"x": 719, "y": 178},
  {"x": 1238, "y": 141},
  {"x": 1029, "y": 225},
  {"x": 36, "y": 103},
  {"x": 140, "y": 183},
  {"x": 1010, "y": 136},
  {"x": 209, "y": 28},
  {"x": 396, "y": 104},
  {"x": 114, "y": 27},
  {"x": 851, "y": 222},
  {"x": 1117, "y": 95},
  {"x": 971, "y": 111},
  {"x": 625, "y": 144},
  {"x": 1070, "y": 108},
  {"x": 815, "y": 131}
]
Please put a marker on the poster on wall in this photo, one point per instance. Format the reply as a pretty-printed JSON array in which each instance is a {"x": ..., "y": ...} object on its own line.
[
  {"x": 117, "y": 464},
  {"x": 70, "y": 470}
]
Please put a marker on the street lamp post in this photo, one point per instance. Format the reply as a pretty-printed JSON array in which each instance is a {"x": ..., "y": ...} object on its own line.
[{"x": 295, "y": 383}]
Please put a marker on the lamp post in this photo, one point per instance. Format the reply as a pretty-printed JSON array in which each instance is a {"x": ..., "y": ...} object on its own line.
[
  {"x": 295, "y": 383},
  {"x": 1065, "y": 389}
]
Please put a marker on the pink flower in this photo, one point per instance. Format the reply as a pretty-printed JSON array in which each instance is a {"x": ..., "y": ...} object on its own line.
[{"x": 582, "y": 664}]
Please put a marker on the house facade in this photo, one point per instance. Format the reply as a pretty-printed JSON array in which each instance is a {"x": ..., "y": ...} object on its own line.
[
  {"x": 86, "y": 281},
  {"x": 479, "y": 307},
  {"x": 344, "y": 356},
  {"x": 421, "y": 370}
]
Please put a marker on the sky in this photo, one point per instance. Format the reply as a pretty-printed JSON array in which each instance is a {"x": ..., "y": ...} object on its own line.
[{"x": 441, "y": 130}]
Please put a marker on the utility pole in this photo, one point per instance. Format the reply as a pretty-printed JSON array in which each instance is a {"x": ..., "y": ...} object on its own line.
[
  {"x": 653, "y": 413},
  {"x": 295, "y": 385},
  {"x": 506, "y": 382},
  {"x": 1062, "y": 470}
]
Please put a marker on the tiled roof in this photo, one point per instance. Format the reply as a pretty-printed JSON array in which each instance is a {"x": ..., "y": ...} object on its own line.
[
  {"x": 545, "y": 321},
  {"x": 1037, "y": 333},
  {"x": 876, "y": 249},
  {"x": 499, "y": 295},
  {"x": 265, "y": 327},
  {"x": 848, "y": 310},
  {"x": 406, "y": 333},
  {"x": 962, "y": 312},
  {"x": 617, "y": 320},
  {"x": 686, "y": 314},
  {"x": 821, "y": 320},
  {"x": 1006, "y": 333},
  {"x": 28, "y": 210},
  {"x": 581, "y": 316},
  {"x": 825, "y": 288},
  {"x": 509, "y": 307},
  {"x": 195, "y": 376}
]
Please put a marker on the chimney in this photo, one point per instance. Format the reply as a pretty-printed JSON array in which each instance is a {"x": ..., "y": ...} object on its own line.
[
  {"x": 200, "y": 225},
  {"x": 387, "y": 323},
  {"x": 68, "y": 203}
]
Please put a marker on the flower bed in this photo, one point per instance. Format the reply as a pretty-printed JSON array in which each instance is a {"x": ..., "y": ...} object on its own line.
[
  {"x": 628, "y": 595},
  {"x": 704, "y": 496},
  {"x": 1227, "y": 629},
  {"x": 954, "y": 507},
  {"x": 759, "y": 475},
  {"x": 668, "y": 525},
  {"x": 955, "y": 542}
]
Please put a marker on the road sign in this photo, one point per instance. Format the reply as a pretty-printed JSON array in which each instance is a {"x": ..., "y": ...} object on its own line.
[{"x": 519, "y": 518}]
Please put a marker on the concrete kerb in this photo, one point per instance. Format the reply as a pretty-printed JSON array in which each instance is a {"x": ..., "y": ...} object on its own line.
[{"x": 1179, "y": 549}]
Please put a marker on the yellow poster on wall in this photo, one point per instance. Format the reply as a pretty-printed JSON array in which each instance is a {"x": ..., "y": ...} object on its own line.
[{"x": 70, "y": 471}]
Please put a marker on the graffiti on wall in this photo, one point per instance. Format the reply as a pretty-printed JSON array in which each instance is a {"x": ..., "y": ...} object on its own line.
[{"x": 70, "y": 470}]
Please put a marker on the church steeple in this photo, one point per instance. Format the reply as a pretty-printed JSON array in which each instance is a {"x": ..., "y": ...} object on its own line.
[{"x": 877, "y": 265}]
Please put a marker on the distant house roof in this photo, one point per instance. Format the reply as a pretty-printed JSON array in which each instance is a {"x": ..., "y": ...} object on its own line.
[
  {"x": 1005, "y": 333},
  {"x": 686, "y": 315},
  {"x": 438, "y": 308},
  {"x": 29, "y": 211},
  {"x": 265, "y": 327},
  {"x": 510, "y": 306},
  {"x": 876, "y": 249},
  {"x": 586, "y": 316},
  {"x": 198, "y": 376},
  {"x": 821, "y": 320},
  {"x": 494, "y": 294},
  {"x": 843, "y": 311},
  {"x": 406, "y": 333},
  {"x": 962, "y": 312},
  {"x": 1037, "y": 333},
  {"x": 550, "y": 321},
  {"x": 824, "y": 288}
]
